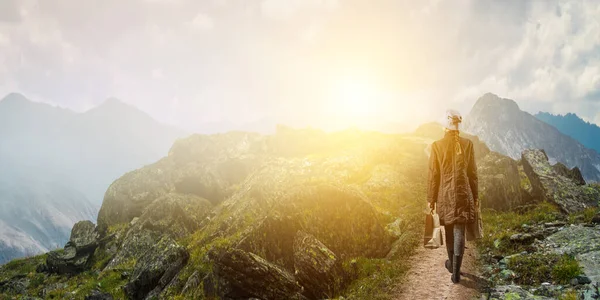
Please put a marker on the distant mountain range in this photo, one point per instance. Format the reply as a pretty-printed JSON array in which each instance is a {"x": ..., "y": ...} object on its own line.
[
  {"x": 56, "y": 165},
  {"x": 508, "y": 130},
  {"x": 572, "y": 125}
]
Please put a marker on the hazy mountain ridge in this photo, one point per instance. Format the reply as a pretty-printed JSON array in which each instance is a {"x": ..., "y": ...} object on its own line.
[
  {"x": 56, "y": 165},
  {"x": 507, "y": 129},
  {"x": 570, "y": 124}
]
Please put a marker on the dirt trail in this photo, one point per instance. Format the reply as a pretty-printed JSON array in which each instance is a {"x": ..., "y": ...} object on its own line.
[{"x": 429, "y": 279}]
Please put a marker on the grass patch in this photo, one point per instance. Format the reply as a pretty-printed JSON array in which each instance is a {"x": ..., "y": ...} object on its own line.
[
  {"x": 24, "y": 266},
  {"x": 584, "y": 216},
  {"x": 537, "y": 268},
  {"x": 566, "y": 269},
  {"x": 499, "y": 226}
]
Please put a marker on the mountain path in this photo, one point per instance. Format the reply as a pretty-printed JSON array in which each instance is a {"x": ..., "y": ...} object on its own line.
[{"x": 427, "y": 277}]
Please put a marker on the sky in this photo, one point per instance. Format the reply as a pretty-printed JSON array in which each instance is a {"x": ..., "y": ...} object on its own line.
[{"x": 328, "y": 63}]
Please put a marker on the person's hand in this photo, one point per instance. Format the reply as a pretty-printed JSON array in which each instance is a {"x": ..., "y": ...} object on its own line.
[
  {"x": 476, "y": 202},
  {"x": 431, "y": 205}
]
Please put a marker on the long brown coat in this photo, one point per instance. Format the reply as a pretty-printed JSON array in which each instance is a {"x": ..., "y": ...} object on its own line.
[{"x": 453, "y": 179}]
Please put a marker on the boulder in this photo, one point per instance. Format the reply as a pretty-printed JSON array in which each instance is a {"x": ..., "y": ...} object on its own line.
[
  {"x": 273, "y": 239},
  {"x": 499, "y": 182},
  {"x": 549, "y": 185},
  {"x": 156, "y": 268},
  {"x": 341, "y": 218},
  {"x": 77, "y": 253},
  {"x": 318, "y": 269},
  {"x": 172, "y": 215},
  {"x": 242, "y": 275}
]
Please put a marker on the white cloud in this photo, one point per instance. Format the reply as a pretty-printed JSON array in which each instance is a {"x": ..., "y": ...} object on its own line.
[
  {"x": 157, "y": 74},
  {"x": 202, "y": 22},
  {"x": 284, "y": 9}
]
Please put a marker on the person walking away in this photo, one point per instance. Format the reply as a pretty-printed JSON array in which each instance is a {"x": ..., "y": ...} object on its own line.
[{"x": 452, "y": 188}]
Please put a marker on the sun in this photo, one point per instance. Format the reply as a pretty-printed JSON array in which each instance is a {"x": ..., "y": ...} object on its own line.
[{"x": 355, "y": 97}]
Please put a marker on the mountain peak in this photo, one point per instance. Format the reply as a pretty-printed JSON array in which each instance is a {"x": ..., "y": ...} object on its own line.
[
  {"x": 114, "y": 102},
  {"x": 492, "y": 102},
  {"x": 14, "y": 99},
  {"x": 114, "y": 106}
]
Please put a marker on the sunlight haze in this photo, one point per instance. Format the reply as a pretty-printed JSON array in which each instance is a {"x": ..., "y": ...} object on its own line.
[{"x": 322, "y": 63}]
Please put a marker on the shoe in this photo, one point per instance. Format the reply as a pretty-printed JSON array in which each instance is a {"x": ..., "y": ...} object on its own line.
[
  {"x": 449, "y": 265},
  {"x": 456, "y": 268}
]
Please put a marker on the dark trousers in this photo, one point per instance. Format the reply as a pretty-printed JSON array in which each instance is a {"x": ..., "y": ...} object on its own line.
[{"x": 455, "y": 239}]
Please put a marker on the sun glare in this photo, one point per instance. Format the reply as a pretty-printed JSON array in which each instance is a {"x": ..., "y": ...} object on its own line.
[{"x": 355, "y": 97}]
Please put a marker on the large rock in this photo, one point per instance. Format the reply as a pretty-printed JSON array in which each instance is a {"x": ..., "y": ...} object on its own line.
[
  {"x": 77, "y": 253},
  {"x": 574, "y": 173},
  {"x": 341, "y": 218},
  {"x": 243, "y": 275},
  {"x": 549, "y": 185},
  {"x": 172, "y": 215},
  {"x": 499, "y": 182},
  {"x": 155, "y": 269},
  {"x": 273, "y": 239},
  {"x": 175, "y": 214},
  {"x": 318, "y": 269}
]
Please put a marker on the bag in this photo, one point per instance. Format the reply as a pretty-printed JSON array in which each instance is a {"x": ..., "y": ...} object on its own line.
[
  {"x": 433, "y": 233},
  {"x": 475, "y": 229}
]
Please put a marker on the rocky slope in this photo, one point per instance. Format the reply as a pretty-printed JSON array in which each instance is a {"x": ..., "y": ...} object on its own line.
[
  {"x": 56, "y": 165},
  {"x": 300, "y": 214},
  {"x": 572, "y": 125},
  {"x": 297, "y": 215},
  {"x": 508, "y": 130}
]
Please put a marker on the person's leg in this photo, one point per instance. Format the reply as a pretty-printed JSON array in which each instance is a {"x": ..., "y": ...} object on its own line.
[
  {"x": 459, "y": 250},
  {"x": 449, "y": 232}
]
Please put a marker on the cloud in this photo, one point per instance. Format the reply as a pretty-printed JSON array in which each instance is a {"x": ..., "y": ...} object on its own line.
[
  {"x": 247, "y": 60},
  {"x": 9, "y": 11},
  {"x": 285, "y": 9},
  {"x": 202, "y": 22}
]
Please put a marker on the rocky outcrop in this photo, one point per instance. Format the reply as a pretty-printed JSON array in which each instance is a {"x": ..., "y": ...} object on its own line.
[
  {"x": 573, "y": 174},
  {"x": 201, "y": 165},
  {"x": 75, "y": 256},
  {"x": 172, "y": 215},
  {"x": 549, "y": 185},
  {"x": 499, "y": 182},
  {"x": 155, "y": 269},
  {"x": 318, "y": 269},
  {"x": 177, "y": 215},
  {"x": 243, "y": 275}
]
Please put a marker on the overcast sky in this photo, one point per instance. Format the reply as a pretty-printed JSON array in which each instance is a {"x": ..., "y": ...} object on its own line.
[{"x": 188, "y": 62}]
